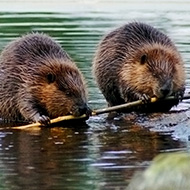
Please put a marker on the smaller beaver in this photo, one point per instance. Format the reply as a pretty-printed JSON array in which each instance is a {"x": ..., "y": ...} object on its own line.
[
  {"x": 136, "y": 61},
  {"x": 39, "y": 81}
]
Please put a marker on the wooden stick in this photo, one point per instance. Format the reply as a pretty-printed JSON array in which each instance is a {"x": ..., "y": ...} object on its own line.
[
  {"x": 97, "y": 112},
  {"x": 122, "y": 106},
  {"x": 56, "y": 120}
]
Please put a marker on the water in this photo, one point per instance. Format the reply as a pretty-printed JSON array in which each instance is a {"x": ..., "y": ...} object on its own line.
[{"x": 103, "y": 153}]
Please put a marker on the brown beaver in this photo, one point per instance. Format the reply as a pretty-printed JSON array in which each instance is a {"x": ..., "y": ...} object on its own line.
[
  {"x": 136, "y": 61},
  {"x": 39, "y": 81}
]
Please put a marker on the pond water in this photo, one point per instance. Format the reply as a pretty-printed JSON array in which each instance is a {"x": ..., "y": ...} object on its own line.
[{"x": 102, "y": 153}]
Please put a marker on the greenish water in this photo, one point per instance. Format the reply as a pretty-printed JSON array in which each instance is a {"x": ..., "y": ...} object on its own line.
[{"x": 103, "y": 153}]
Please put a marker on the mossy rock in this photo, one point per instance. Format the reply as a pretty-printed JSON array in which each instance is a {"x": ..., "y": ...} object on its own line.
[{"x": 169, "y": 171}]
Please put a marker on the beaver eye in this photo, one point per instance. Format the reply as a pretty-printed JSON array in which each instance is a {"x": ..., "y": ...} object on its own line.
[
  {"x": 153, "y": 74},
  {"x": 51, "y": 78},
  {"x": 67, "y": 93},
  {"x": 143, "y": 59}
]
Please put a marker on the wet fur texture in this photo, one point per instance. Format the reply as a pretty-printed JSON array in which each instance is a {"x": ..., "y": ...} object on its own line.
[
  {"x": 137, "y": 60},
  {"x": 38, "y": 81}
]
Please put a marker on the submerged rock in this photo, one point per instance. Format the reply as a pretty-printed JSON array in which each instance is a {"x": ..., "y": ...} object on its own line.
[{"x": 169, "y": 171}]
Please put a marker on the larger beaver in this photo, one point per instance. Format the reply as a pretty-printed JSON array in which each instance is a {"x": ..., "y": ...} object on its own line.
[
  {"x": 39, "y": 81},
  {"x": 136, "y": 61}
]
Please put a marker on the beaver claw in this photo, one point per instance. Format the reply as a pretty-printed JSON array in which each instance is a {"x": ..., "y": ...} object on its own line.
[
  {"x": 145, "y": 98},
  {"x": 42, "y": 119}
]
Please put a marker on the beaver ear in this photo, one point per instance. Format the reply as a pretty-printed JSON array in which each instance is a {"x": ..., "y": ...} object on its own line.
[
  {"x": 143, "y": 59},
  {"x": 51, "y": 78}
]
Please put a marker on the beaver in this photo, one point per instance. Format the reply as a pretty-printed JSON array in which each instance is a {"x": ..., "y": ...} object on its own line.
[
  {"x": 39, "y": 81},
  {"x": 137, "y": 61}
]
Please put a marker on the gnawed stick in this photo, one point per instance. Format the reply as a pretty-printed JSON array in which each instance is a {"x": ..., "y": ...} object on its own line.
[
  {"x": 97, "y": 112},
  {"x": 55, "y": 120}
]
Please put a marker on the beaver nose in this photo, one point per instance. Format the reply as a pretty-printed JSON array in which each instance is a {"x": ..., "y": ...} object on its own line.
[
  {"x": 166, "y": 89},
  {"x": 84, "y": 109}
]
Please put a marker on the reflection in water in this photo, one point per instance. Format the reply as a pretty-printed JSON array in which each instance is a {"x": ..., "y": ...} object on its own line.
[
  {"x": 104, "y": 153},
  {"x": 77, "y": 158}
]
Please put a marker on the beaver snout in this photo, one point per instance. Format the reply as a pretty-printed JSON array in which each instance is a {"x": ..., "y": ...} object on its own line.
[
  {"x": 82, "y": 109},
  {"x": 166, "y": 89}
]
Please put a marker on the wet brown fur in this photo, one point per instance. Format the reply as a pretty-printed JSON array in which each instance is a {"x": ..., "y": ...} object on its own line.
[
  {"x": 137, "y": 60},
  {"x": 38, "y": 81}
]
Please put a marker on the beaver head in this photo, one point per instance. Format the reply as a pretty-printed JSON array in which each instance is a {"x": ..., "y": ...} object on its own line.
[
  {"x": 59, "y": 88},
  {"x": 155, "y": 70}
]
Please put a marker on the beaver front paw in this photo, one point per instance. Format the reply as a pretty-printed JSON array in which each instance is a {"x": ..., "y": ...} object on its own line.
[
  {"x": 144, "y": 97},
  {"x": 42, "y": 119},
  {"x": 179, "y": 95}
]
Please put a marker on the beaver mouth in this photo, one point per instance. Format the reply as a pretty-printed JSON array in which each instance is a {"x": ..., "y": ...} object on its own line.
[
  {"x": 162, "y": 93},
  {"x": 69, "y": 113},
  {"x": 80, "y": 110},
  {"x": 75, "y": 113}
]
